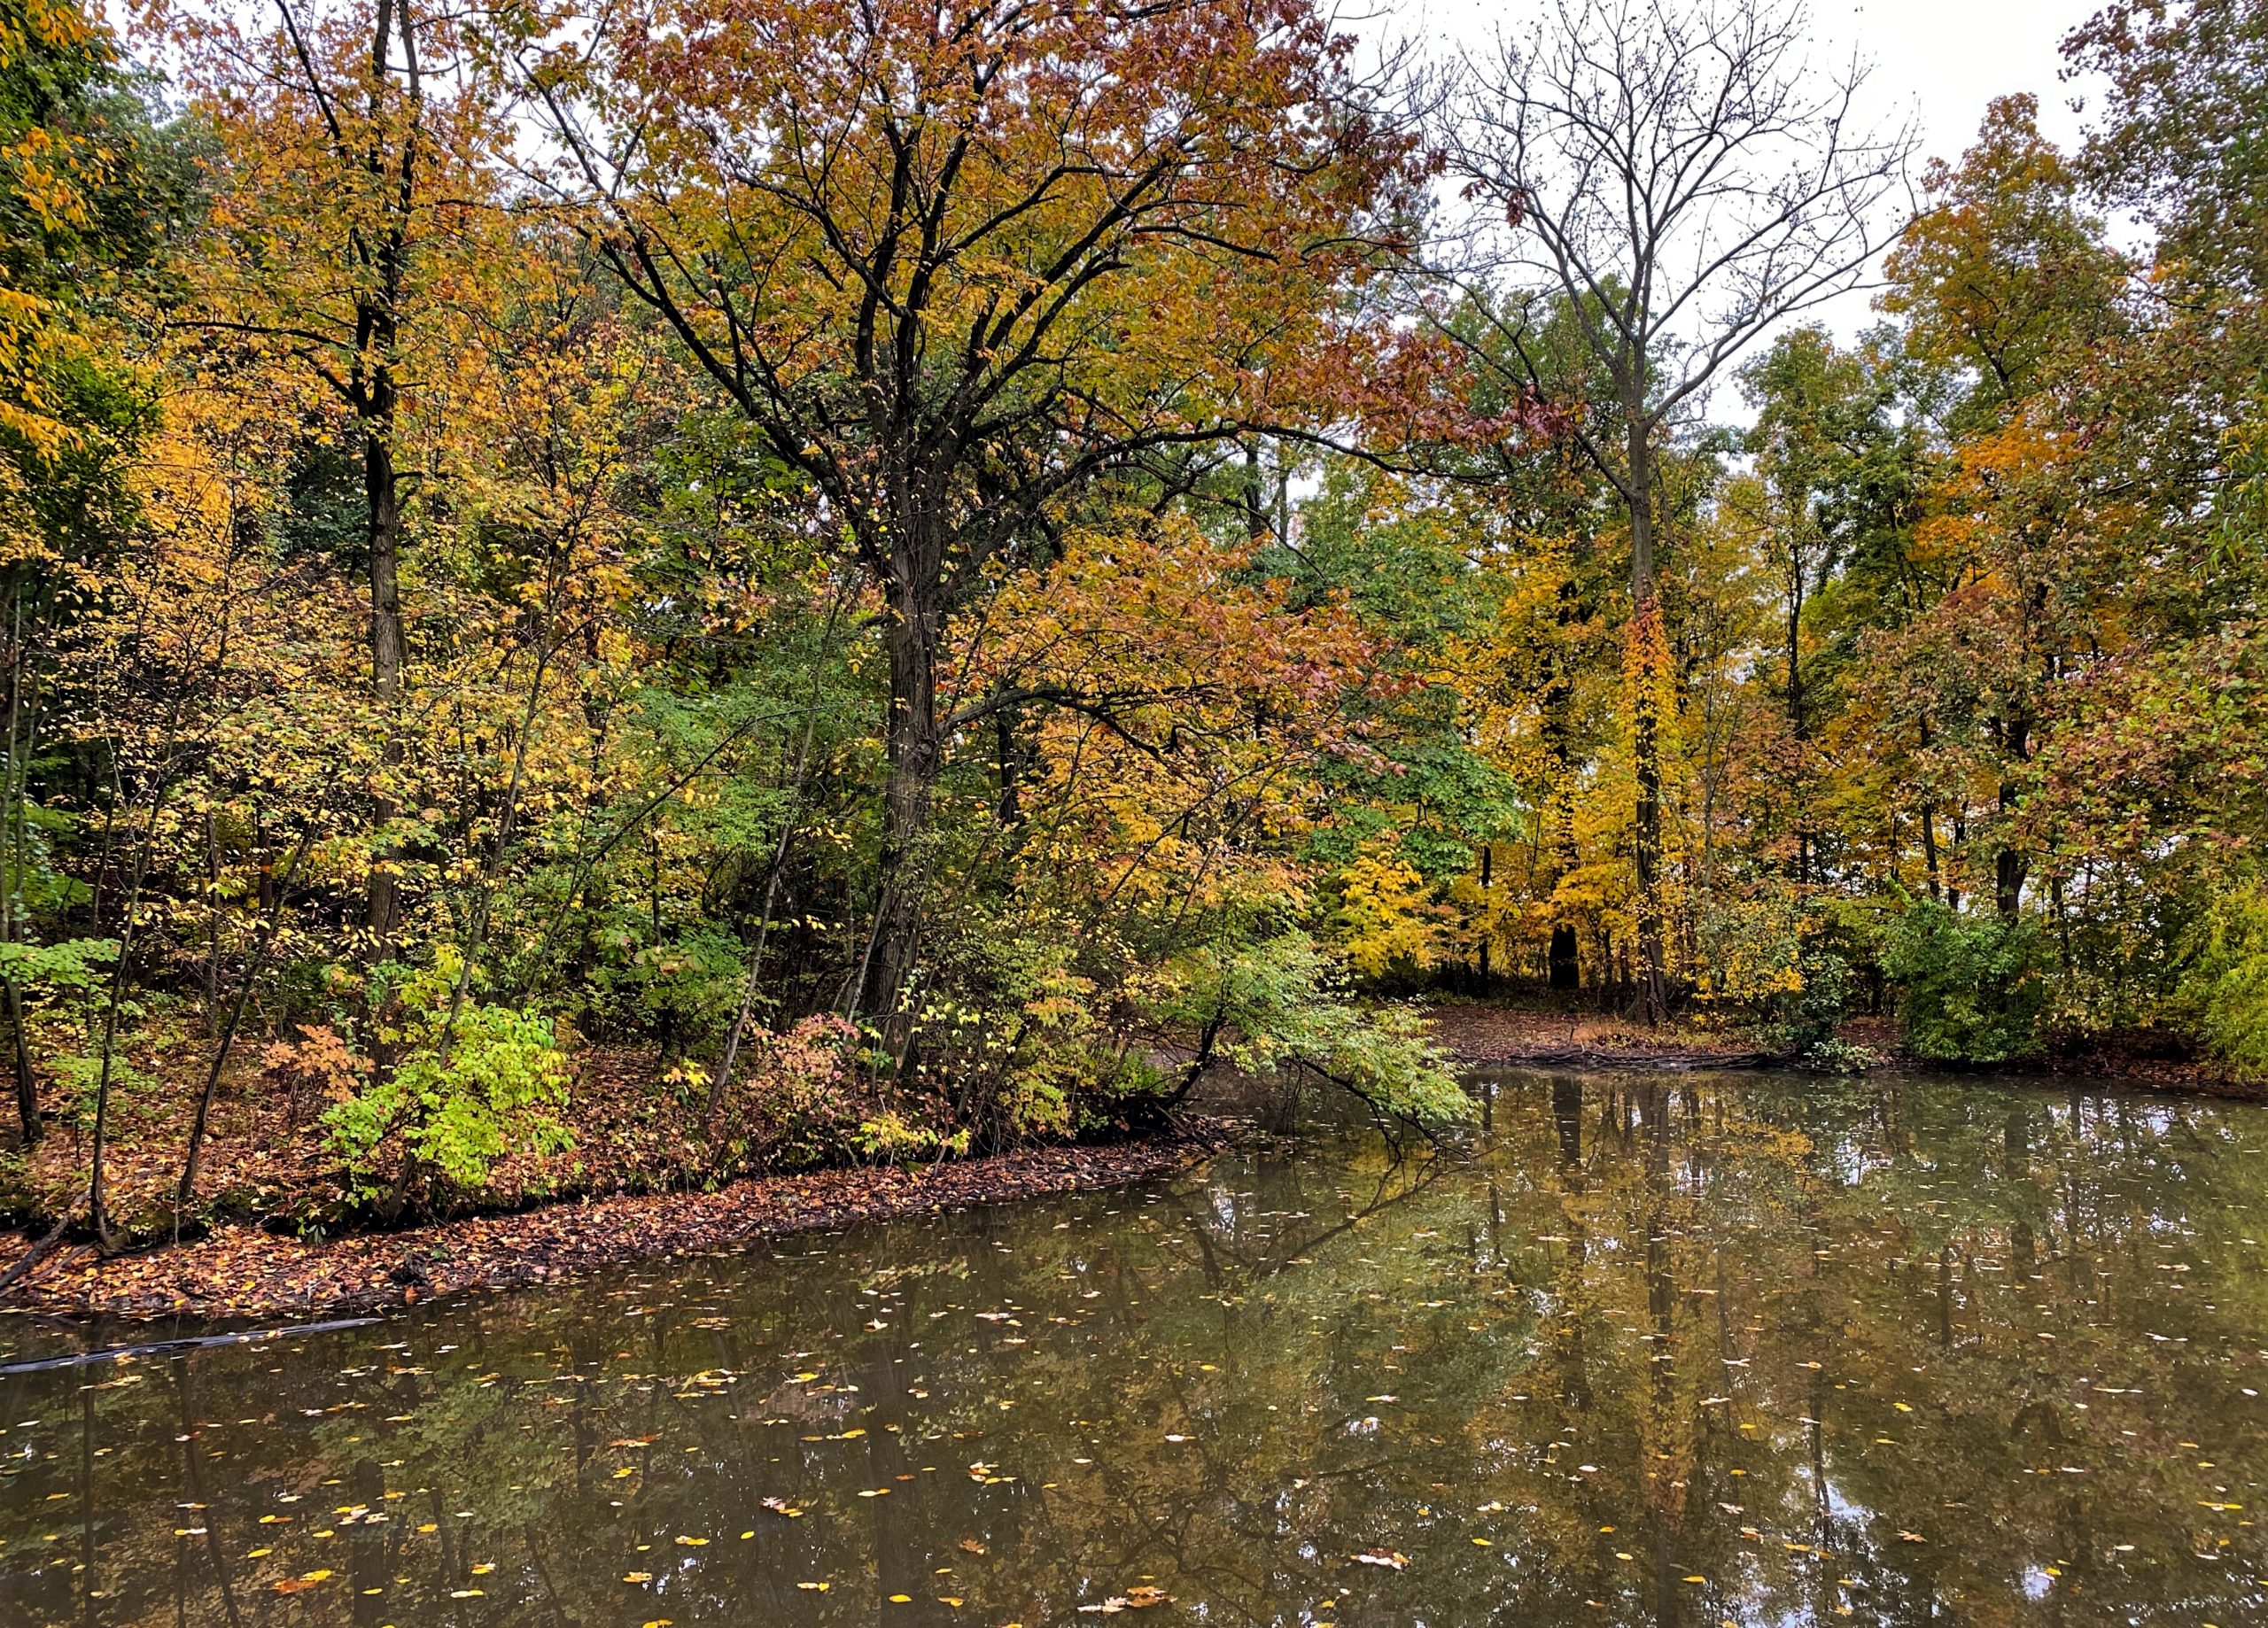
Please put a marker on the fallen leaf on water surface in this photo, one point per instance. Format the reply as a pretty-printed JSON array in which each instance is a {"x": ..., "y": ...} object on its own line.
[
  {"x": 971, "y": 1545},
  {"x": 815, "y": 1587},
  {"x": 637, "y": 1576},
  {"x": 1392, "y": 1559},
  {"x": 781, "y": 1506},
  {"x": 692, "y": 1543}
]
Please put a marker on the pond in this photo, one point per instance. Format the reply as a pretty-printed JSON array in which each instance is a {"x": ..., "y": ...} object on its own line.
[{"x": 1687, "y": 1350}]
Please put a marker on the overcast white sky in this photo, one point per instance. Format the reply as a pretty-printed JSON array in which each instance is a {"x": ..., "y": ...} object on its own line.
[{"x": 1940, "y": 60}]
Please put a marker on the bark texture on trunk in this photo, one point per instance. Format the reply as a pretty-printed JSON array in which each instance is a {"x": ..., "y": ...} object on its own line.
[
  {"x": 382, "y": 494},
  {"x": 915, "y": 754}
]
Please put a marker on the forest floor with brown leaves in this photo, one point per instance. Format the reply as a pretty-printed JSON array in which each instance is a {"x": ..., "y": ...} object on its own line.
[
  {"x": 243, "y": 1272},
  {"x": 1486, "y": 1034}
]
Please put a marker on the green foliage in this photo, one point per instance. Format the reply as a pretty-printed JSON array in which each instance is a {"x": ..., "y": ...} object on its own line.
[
  {"x": 74, "y": 967},
  {"x": 2226, "y": 984},
  {"x": 1280, "y": 1003},
  {"x": 1970, "y": 988},
  {"x": 467, "y": 1087}
]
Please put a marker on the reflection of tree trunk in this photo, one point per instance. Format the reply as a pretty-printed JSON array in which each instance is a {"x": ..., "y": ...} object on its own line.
[{"x": 1567, "y": 1113}]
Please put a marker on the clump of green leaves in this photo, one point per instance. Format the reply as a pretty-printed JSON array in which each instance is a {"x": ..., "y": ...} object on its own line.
[
  {"x": 471, "y": 1081},
  {"x": 1970, "y": 988},
  {"x": 2226, "y": 984},
  {"x": 1280, "y": 1002}
]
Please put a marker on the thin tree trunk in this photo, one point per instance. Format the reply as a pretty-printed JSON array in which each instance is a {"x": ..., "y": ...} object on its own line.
[
  {"x": 382, "y": 492},
  {"x": 734, "y": 1035},
  {"x": 253, "y": 965},
  {"x": 1650, "y": 971},
  {"x": 97, "y": 1213}
]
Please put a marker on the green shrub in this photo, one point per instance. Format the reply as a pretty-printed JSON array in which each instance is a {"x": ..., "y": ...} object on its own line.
[
  {"x": 2226, "y": 981},
  {"x": 460, "y": 1094},
  {"x": 1970, "y": 988}
]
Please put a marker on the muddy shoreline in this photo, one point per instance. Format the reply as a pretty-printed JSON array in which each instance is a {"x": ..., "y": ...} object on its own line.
[{"x": 243, "y": 1273}]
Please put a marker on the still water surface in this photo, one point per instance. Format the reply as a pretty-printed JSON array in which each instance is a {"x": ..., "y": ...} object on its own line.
[{"x": 1671, "y": 1352}]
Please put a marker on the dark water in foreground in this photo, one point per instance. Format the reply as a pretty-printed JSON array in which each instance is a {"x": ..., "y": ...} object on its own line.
[{"x": 1665, "y": 1352}]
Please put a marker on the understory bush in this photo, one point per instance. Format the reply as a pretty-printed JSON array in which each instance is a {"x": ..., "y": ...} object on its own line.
[
  {"x": 1970, "y": 988},
  {"x": 470, "y": 1081},
  {"x": 2226, "y": 982}
]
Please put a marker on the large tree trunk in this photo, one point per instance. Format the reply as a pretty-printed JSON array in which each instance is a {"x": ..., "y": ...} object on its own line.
[{"x": 915, "y": 750}]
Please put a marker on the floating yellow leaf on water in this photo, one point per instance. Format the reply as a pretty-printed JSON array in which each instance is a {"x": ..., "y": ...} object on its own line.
[
  {"x": 819, "y": 1588},
  {"x": 901, "y": 1599},
  {"x": 1483, "y": 1543},
  {"x": 692, "y": 1543},
  {"x": 1697, "y": 1579},
  {"x": 877, "y": 1492},
  {"x": 637, "y": 1576},
  {"x": 483, "y": 1567}
]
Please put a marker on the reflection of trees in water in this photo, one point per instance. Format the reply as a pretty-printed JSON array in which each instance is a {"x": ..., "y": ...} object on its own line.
[{"x": 1714, "y": 1297}]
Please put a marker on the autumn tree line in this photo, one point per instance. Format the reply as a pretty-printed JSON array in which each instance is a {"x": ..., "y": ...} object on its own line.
[{"x": 623, "y": 592}]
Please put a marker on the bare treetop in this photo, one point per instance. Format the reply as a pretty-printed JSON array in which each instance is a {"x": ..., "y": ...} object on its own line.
[{"x": 1683, "y": 170}]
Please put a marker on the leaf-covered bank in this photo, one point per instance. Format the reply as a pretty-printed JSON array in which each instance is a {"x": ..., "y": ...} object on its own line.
[{"x": 243, "y": 1272}]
